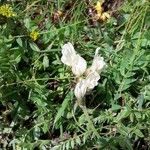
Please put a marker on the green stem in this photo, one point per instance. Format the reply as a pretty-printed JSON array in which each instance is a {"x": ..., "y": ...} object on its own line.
[{"x": 89, "y": 121}]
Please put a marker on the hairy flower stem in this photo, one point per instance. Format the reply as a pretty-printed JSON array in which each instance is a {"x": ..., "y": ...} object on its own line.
[{"x": 84, "y": 109}]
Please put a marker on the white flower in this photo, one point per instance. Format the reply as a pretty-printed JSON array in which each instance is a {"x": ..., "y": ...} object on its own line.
[
  {"x": 68, "y": 54},
  {"x": 79, "y": 65},
  {"x": 98, "y": 63},
  {"x": 92, "y": 80},
  {"x": 80, "y": 89},
  {"x": 75, "y": 61},
  {"x": 86, "y": 84}
]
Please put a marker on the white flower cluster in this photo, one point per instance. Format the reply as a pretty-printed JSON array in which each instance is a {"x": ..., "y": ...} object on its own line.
[{"x": 79, "y": 67}]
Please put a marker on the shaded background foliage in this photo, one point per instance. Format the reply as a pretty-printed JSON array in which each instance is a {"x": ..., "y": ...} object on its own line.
[{"x": 37, "y": 105}]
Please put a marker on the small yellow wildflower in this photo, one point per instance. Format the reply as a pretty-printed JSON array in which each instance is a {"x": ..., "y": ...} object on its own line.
[
  {"x": 7, "y": 11},
  {"x": 101, "y": 15},
  {"x": 105, "y": 16},
  {"x": 99, "y": 8},
  {"x": 34, "y": 35}
]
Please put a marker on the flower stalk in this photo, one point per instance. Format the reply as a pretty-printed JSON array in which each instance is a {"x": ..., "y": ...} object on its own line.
[{"x": 84, "y": 109}]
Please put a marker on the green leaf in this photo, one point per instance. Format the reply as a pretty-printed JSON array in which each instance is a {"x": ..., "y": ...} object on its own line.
[
  {"x": 115, "y": 107},
  {"x": 126, "y": 84},
  {"x": 78, "y": 140},
  {"x": 34, "y": 47},
  {"x": 124, "y": 143},
  {"x": 123, "y": 114},
  {"x": 138, "y": 133},
  {"x": 63, "y": 107},
  {"x": 68, "y": 145},
  {"x": 50, "y": 47},
  {"x": 123, "y": 130},
  {"x": 18, "y": 58},
  {"x": 138, "y": 115},
  {"x": 132, "y": 117},
  {"x": 19, "y": 41},
  {"x": 72, "y": 144},
  {"x": 45, "y": 61}
]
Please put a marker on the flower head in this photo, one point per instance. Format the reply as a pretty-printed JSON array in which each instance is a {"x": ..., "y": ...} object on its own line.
[
  {"x": 7, "y": 11},
  {"x": 79, "y": 67},
  {"x": 34, "y": 35},
  {"x": 100, "y": 14}
]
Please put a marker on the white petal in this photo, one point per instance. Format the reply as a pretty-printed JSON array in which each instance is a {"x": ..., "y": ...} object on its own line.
[
  {"x": 92, "y": 80},
  {"x": 80, "y": 89},
  {"x": 79, "y": 65},
  {"x": 98, "y": 63},
  {"x": 68, "y": 54},
  {"x": 68, "y": 48}
]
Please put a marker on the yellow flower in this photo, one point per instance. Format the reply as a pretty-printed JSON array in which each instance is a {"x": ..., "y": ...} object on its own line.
[
  {"x": 100, "y": 14},
  {"x": 99, "y": 8},
  {"x": 7, "y": 11},
  {"x": 105, "y": 16},
  {"x": 34, "y": 35}
]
